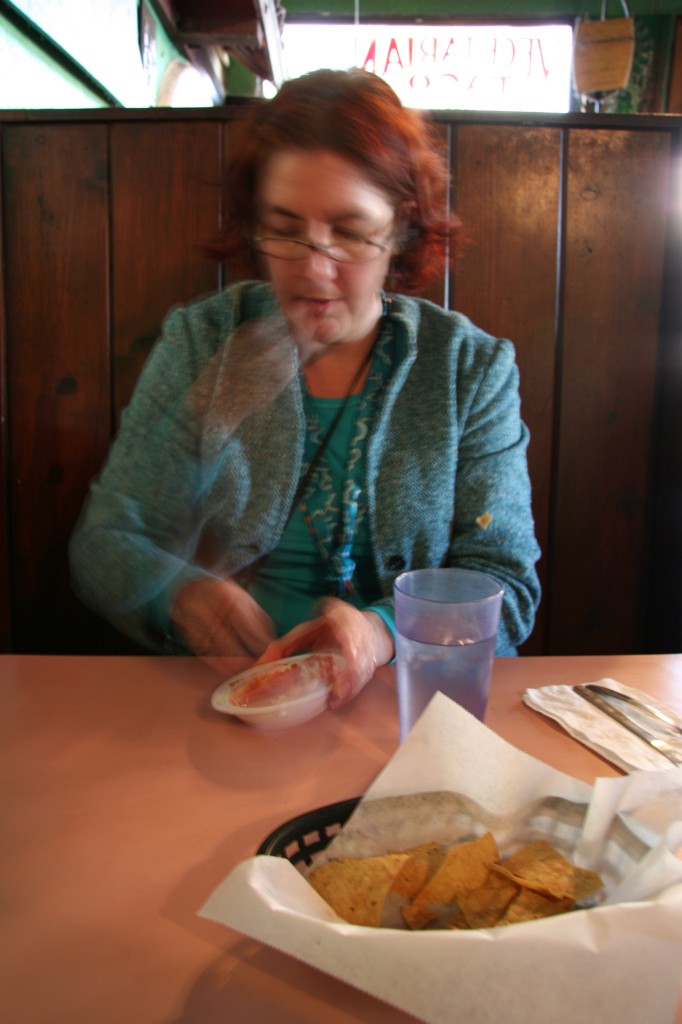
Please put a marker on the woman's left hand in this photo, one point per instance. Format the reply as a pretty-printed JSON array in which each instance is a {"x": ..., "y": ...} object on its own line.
[{"x": 360, "y": 637}]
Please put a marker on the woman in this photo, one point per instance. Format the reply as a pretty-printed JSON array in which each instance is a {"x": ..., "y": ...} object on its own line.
[{"x": 294, "y": 444}]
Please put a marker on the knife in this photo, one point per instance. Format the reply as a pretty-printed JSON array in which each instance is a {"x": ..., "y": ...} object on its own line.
[
  {"x": 664, "y": 747},
  {"x": 649, "y": 709}
]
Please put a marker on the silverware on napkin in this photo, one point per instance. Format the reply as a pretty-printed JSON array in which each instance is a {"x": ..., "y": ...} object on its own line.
[
  {"x": 666, "y": 716},
  {"x": 669, "y": 748}
]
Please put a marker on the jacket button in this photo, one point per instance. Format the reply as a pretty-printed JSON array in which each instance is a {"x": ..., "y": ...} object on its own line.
[{"x": 395, "y": 563}]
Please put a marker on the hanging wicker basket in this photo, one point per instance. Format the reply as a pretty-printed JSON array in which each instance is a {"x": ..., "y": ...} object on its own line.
[{"x": 603, "y": 54}]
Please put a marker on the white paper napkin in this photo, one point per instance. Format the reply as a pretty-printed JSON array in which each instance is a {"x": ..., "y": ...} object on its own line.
[{"x": 595, "y": 729}]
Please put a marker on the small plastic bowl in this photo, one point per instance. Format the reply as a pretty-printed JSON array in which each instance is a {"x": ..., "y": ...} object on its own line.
[{"x": 282, "y": 713}]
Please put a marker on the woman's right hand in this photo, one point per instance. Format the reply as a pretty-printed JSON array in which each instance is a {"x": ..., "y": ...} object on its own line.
[
  {"x": 220, "y": 621},
  {"x": 360, "y": 636}
]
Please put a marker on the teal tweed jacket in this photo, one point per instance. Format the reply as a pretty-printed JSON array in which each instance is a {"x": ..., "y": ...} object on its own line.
[{"x": 201, "y": 476}]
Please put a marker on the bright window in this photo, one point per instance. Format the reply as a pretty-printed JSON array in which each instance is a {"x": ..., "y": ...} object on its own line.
[
  {"x": 479, "y": 67},
  {"x": 28, "y": 77}
]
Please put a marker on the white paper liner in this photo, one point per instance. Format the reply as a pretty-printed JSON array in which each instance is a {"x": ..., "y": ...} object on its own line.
[
  {"x": 596, "y": 730},
  {"x": 595, "y": 964}
]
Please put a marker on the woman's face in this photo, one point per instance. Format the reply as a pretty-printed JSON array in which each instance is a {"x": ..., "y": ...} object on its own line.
[{"x": 322, "y": 198}]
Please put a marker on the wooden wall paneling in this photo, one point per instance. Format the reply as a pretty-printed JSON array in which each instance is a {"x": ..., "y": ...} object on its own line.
[
  {"x": 56, "y": 278},
  {"x": 165, "y": 206},
  {"x": 437, "y": 289},
  {"x": 617, "y": 192},
  {"x": 228, "y": 274},
  {"x": 507, "y": 190},
  {"x": 94, "y": 253},
  {"x": 674, "y": 105},
  {"x": 5, "y": 606},
  {"x": 664, "y": 597}
]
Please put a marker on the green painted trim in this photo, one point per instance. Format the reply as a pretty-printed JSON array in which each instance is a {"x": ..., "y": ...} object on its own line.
[
  {"x": 239, "y": 81},
  {"x": 453, "y": 10}
]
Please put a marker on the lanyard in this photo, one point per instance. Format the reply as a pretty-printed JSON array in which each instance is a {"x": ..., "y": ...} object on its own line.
[
  {"x": 332, "y": 518},
  {"x": 247, "y": 576}
]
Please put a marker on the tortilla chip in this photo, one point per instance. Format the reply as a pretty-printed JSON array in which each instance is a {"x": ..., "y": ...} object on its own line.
[
  {"x": 485, "y": 907},
  {"x": 465, "y": 868},
  {"x": 538, "y": 866},
  {"x": 356, "y": 887},
  {"x": 418, "y": 916},
  {"x": 586, "y": 883},
  {"x": 531, "y": 906},
  {"x": 422, "y": 863},
  {"x": 463, "y": 887}
]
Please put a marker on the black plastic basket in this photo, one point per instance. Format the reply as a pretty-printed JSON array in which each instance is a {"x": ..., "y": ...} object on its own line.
[{"x": 302, "y": 837}]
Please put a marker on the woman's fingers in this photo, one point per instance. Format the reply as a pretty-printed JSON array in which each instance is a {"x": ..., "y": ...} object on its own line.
[{"x": 308, "y": 636}]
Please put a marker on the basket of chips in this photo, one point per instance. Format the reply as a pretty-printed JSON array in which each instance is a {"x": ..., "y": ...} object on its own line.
[
  {"x": 473, "y": 882},
  {"x": 450, "y": 882}
]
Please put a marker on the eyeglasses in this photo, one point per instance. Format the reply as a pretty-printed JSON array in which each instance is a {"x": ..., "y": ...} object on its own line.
[{"x": 346, "y": 250}]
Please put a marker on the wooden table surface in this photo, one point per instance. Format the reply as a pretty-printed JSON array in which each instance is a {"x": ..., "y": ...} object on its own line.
[{"x": 126, "y": 799}]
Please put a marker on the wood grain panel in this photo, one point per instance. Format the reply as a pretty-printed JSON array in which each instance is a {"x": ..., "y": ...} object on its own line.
[
  {"x": 664, "y": 590},
  {"x": 675, "y": 88},
  {"x": 165, "y": 206},
  {"x": 5, "y": 606},
  {"x": 507, "y": 188},
  {"x": 97, "y": 249},
  {"x": 437, "y": 289},
  {"x": 616, "y": 219},
  {"x": 56, "y": 228}
]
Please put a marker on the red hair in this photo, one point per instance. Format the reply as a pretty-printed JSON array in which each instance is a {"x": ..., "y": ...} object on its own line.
[{"x": 356, "y": 115}]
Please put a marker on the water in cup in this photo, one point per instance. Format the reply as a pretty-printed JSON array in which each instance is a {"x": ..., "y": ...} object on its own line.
[{"x": 461, "y": 671}]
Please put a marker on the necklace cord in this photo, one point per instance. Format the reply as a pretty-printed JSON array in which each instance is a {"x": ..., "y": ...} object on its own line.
[{"x": 247, "y": 577}]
